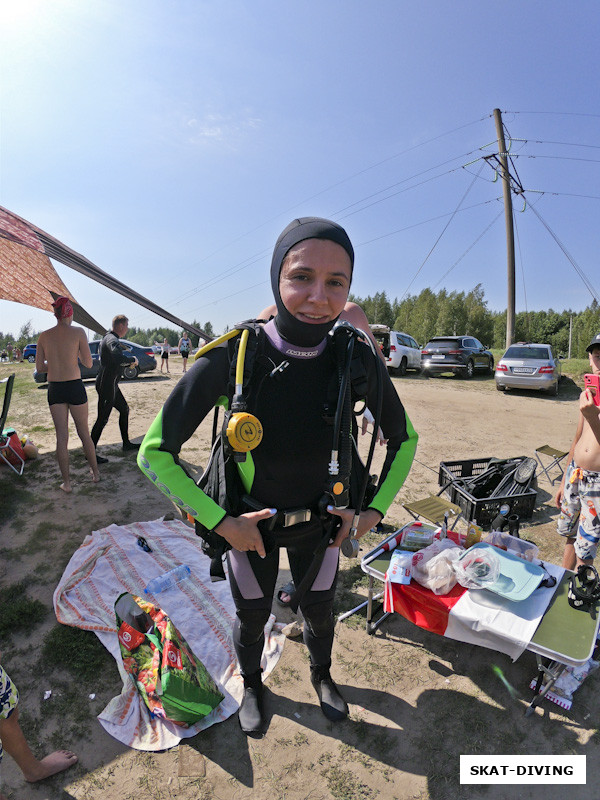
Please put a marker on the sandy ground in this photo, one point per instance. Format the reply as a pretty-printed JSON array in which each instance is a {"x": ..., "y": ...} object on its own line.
[{"x": 417, "y": 701}]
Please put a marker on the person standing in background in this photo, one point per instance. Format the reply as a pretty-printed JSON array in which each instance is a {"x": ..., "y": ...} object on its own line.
[
  {"x": 58, "y": 353},
  {"x": 112, "y": 357}
]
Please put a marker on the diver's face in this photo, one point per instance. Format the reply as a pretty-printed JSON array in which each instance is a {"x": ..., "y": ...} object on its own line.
[{"x": 315, "y": 280}]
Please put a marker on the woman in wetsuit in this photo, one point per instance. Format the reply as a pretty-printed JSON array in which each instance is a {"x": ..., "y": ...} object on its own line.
[{"x": 311, "y": 272}]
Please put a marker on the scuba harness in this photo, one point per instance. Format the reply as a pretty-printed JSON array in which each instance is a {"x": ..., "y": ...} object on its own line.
[{"x": 226, "y": 477}]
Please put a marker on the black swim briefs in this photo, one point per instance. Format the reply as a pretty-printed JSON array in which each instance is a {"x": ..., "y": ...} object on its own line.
[{"x": 71, "y": 392}]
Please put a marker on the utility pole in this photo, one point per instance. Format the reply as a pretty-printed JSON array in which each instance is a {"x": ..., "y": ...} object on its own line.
[{"x": 510, "y": 234}]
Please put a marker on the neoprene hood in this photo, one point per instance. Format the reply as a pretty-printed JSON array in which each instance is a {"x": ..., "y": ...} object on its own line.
[{"x": 294, "y": 331}]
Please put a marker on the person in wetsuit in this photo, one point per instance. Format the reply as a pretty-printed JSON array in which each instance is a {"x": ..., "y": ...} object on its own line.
[
  {"x": 290, "y": 388},
  {"x": 112, "y": 358}
]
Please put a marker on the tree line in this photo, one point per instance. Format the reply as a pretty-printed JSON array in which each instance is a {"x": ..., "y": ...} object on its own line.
[
  {"x": 423, "y": 316},
  {"x": 454, "y": 313},
  {"x": 142, "y": 336}
]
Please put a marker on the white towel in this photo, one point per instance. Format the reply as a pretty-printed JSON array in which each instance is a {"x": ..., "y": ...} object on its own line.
[{"x": 110, "y": 562}]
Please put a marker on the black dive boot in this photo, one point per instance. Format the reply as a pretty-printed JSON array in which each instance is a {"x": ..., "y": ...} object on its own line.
[
  {"x": 333, "y": 704},
  {"x": 251, "y": 709}
]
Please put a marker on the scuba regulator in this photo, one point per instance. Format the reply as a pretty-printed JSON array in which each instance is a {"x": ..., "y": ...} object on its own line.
[{"x": 243, "y": 430}]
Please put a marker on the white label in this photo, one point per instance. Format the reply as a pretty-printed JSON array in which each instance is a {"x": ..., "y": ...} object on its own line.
[{"x": 523, "y": 769}]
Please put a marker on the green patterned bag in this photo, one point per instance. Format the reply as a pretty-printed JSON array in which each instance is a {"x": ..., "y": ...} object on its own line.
[{"x": 173, "y": 683}]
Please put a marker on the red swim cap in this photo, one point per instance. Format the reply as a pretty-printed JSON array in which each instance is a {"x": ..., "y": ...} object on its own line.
[{"x": 62, "y": 308}]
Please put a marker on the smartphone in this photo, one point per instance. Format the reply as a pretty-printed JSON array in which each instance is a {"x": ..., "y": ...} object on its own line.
[{"x": 593, "y": 382}]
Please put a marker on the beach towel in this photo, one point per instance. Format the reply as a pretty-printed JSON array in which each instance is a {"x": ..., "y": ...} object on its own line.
[{"x": 110, "y": 562}]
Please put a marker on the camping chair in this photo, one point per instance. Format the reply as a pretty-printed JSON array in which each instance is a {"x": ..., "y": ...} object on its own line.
[
  {"x": 434, "y": 508},
  {"x": 555, "y": 456},
  {"x": 7, "y": 453}
]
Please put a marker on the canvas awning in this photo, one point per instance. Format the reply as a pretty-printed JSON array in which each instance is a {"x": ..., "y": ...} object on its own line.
[{"x": 27, "y": 275}]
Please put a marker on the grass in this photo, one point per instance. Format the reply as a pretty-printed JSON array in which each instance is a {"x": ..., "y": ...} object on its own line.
[
  {"x": 13, "y": 496},
  {"x": 20, "y": 614},
  {"x": 78, "y": 651}
]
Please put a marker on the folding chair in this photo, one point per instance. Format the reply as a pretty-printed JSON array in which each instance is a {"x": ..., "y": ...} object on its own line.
[
  {"x": 434, "y": 508},
  {"x": 556, "y": 457},
  {"x": 7, "y": 453}
]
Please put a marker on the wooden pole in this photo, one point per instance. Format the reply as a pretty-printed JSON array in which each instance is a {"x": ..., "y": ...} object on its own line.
[{"x": 510, "y": 234}]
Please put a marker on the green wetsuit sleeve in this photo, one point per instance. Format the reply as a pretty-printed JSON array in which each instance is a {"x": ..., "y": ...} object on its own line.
[
  {"x": 168, "y": 475},
  {"x": 398, "y": 471},
  {"x": 199, "y": 390}
]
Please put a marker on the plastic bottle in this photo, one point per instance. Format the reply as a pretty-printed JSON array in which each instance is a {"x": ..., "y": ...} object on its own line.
[{"x": 168, "y": 579}]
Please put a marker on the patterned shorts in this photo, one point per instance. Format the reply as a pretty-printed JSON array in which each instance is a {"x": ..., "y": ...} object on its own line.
[
  {"x": 580, "y": 510},
  {"x": 9, "y": 697}
]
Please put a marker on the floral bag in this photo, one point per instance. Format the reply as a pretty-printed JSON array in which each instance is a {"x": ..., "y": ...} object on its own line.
[{"x": 173, "y": 683}]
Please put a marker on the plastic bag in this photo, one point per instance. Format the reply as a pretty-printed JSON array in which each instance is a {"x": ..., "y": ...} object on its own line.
[
  {"x": 433, "y": 567},
  {"x": 519, "y": 547},
  {"x": 477, "y": 569}
]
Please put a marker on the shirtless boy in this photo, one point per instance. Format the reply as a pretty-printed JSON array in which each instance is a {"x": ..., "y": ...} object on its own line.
[
  {"x": 58, "y": 351},
  {"x": 578, "y": 496}
]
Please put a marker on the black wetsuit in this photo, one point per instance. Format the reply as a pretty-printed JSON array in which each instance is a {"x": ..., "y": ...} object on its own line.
[
  {"x": 288, "y": 470},
  {"x": 112, "y": 358}
]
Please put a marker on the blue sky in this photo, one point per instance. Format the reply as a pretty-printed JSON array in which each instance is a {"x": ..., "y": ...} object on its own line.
[{"x": 171, "y": 142}]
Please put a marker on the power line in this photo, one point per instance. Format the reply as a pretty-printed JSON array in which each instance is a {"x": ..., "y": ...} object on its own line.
[
  {"x": 440, "y": 236},
  {"x": 471, "y": 246},
  {"x": 574, "y": 264}
]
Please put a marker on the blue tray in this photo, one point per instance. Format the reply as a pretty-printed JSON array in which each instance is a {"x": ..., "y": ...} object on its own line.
[{"x": 518, "y": 578}]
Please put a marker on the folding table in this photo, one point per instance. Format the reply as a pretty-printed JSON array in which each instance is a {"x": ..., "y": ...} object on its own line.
[{"x": 565, "y": 636}]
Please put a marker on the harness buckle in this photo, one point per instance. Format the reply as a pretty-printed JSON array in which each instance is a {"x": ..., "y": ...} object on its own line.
[{"x": 296, "y": 516}]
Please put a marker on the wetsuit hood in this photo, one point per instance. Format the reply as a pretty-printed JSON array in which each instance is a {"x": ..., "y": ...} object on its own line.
[{"x": 290, "y": 328}]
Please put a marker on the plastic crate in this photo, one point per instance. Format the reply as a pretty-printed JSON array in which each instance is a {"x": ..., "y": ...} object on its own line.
[{"x": 485, "y": 509}]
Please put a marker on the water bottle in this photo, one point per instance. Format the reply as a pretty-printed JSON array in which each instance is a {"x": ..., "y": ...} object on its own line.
[{"x": 168, "y": 579}]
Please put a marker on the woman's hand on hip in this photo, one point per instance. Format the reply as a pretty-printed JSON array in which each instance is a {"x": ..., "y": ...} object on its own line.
[
  {"x": 242, "y": 532},
  {"x": 367, "y": 520}
]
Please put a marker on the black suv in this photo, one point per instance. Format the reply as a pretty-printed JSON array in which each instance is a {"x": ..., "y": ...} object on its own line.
[{"x": 463, "y": 355}]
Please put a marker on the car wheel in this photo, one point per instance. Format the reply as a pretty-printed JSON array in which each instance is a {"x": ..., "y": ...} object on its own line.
[
  {"x": 553, "y": 391},
  {"x": 131, "y": 372},
  {"x": 402, "y": 367},
  {"x": 470, "y": 369},
  {"x": 31, "y": 359},
  {"x": 500, "y": 388},
  {"x": 491, "y": 367},
  {"x": 425, "y": 373}
]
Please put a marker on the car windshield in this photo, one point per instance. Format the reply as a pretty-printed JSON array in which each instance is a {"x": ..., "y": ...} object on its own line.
[{"x": 537, "y": 353}]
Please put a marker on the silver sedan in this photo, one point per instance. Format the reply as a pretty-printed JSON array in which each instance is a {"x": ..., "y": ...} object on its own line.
[{"x": 527, "y": 365}]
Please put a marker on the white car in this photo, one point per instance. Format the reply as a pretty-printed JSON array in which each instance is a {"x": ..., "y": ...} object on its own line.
[{"x": 400, "y": 350}]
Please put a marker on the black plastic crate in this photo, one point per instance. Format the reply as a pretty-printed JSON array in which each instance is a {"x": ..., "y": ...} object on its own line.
[{"x": 485, "y": 509}]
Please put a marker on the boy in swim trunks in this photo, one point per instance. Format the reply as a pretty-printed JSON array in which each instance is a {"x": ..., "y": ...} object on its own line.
[
  {"x": 578, "y": 496},
  {"x": 15, "y": 743},
  {"x": 58, "y": 351}
]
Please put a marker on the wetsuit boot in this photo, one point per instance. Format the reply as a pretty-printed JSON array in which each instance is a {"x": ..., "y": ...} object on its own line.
[
  {"x": 332, "y": 703},
  {"x": 251, "y": 710}
]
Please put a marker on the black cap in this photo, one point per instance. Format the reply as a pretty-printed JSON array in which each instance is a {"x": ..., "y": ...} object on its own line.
[{"x": 594, "y": 343}]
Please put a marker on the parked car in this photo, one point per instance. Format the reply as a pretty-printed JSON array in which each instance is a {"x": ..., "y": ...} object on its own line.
[
  {"x": 29, "y": 352},
  {"x": 528, "y": 365},
  {"x": 462, "y": 355},
  {"x": 144, "y": 355},
  {"x": 400, "y": 350}
]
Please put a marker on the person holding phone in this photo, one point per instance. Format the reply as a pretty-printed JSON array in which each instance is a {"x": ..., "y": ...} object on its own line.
[{"x": 578, "y": 496}]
